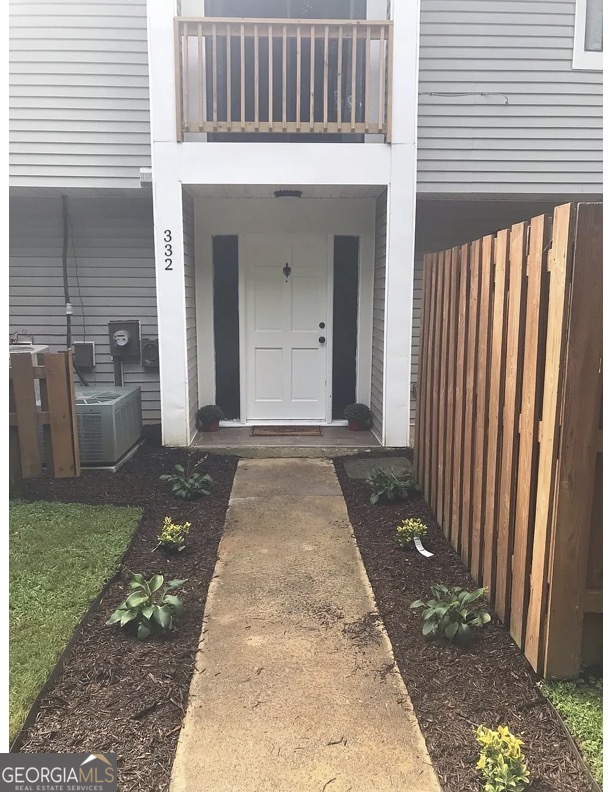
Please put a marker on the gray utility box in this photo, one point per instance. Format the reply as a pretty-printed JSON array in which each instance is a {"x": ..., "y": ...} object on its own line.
[{"x": 109, "y": 420}]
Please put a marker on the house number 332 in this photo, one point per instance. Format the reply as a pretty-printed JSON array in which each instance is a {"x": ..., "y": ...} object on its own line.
[{"x": 168, "y": 250}]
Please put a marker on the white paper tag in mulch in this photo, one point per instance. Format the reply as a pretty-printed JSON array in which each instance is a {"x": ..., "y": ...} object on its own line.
[{"x": 419, "y": 546}]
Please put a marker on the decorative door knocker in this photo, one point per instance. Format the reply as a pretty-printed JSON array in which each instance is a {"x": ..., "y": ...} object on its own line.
[{"x": 286, "y": 271}]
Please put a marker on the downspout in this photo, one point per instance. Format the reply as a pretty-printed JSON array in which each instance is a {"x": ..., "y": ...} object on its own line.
[
  {"x": 65, "y": 272},
  {"x": 67, "y": 288}
]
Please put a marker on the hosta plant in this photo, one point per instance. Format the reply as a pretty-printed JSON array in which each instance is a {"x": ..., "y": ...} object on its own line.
[
  {"x": 149, "y": 607},
  {"x": 188, "y": 484},
  {"x": 172, "y": 537},
  {"x": 408, "y": 530},
  {"x": 501, "y": 764},
  {"x": 453, "y": 613},
  {"x": 386, "y": 485}
]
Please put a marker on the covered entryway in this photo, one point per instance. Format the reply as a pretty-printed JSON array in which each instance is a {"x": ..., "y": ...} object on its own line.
[
  {"x": 286, "y": 323},
  {"x": 284, "y": 298}
]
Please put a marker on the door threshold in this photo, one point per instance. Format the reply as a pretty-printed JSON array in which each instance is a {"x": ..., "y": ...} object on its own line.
[{"x": 275, "y": 422}]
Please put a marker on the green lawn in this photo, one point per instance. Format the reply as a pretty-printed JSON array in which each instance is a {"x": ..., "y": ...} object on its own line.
[
  {"x": 60, "y": 557},
  {"x": 580, "y": 704}
]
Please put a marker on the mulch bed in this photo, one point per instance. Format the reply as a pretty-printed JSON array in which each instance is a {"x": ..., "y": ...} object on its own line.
[
  {"x": 455, "y": 689},
  {"x": 115, "y": 693}
]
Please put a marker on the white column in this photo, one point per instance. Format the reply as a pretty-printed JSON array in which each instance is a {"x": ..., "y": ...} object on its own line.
[
  {"x": 168, "y": 223},
  {"x": 171, "y": 313},
  {"x": 401, "y": 225}
]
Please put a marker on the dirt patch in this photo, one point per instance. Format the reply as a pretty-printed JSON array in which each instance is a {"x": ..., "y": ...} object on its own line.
[
  {"x": 364, "y": 631},
  {"x": 452, "y": 689},
  {"x": 115, "y": 693}
]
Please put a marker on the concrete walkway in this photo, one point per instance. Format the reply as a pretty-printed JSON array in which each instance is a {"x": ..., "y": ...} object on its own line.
[{"x": 295, "y": 687}]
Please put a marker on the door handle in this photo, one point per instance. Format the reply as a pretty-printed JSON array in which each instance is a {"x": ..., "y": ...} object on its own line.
[{"x": 321, "y": 339}]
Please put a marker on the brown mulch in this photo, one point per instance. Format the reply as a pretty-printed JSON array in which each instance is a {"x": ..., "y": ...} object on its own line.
[
  {"x": 115, "y": 693},
  {"x": 455, "y": 689}
]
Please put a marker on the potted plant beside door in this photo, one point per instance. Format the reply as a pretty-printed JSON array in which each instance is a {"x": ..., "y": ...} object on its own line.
[
  {"x": 208, "y": 417},
  {"x": 359, "y": 417}
]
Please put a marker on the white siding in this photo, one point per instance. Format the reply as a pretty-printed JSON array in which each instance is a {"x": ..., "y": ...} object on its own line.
[
  {"x": 548, "y": 137},
  {"x": 190, "y": 309},
  {"x": 378, "y": 324},
  {"x": 79, "y": 93},
  {"x": 111, "y": 276}
]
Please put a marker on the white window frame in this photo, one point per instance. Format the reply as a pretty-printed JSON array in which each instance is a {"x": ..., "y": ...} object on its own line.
[{"x": 584, "y": 59}]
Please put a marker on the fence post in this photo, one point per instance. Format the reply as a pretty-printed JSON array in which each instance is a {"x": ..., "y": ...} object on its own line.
[
  {"x": 469, "y": 403},
  {"x": 427, "y": 438},
  {"x": 445, "y": 261},
  {"x": 531, "y": 404},
  {"x": 464, "y": 273},
  {"x": 453, "y": 284},
  {"x": 27, "y": 415},
  {"x": 482, "y": 397},
  {"x": 562, "y": 244},
  {"x": 15, "y": 472},
  {"x": 419, "y": 445},
  {"x": 436, "y": 395},
  {"x": 509, "y": 446},
  {"x": 60, "y": 393},
  {"x": 76, "y": 454},
  {"x": 578, "y": 446},
  {"x": 497, "y": 376}
]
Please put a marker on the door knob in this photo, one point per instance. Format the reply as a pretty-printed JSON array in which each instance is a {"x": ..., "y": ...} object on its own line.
[
  {"x": 321, "y": 325},
  {"x": 321, "y": 339}
]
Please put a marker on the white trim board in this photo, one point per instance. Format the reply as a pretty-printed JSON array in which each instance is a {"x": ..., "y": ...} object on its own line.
[{"x": 588, "y": 60}]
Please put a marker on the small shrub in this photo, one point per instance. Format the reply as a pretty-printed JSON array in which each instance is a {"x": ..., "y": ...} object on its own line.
[
  {"x": 453, "y": 613},
  {"x": 389, "y": 486},
  {"x": 188, "y": 484},
  {"x": 407, "y": 531},
  {"x": 209, "y": 413},
  {"x": 501, "y": 762},
  {"x": 149, "y": 607},
  {"x": 360, "y": 413},
  {"x": 172, "y": 536}
]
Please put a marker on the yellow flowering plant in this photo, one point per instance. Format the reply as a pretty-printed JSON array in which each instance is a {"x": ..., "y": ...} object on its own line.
[
  {"x": 172, "y": 536},
  {"x": 408, "y": 530},
  {"x": 501, "y": 762}
]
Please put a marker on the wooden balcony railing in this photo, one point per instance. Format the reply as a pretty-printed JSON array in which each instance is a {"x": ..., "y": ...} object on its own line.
[{"x": 283, "y": 76}]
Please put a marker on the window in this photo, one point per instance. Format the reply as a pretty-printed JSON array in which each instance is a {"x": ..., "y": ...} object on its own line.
[
  {"x": 588, "y": 35},
  {"x": 288, "y": 9}
]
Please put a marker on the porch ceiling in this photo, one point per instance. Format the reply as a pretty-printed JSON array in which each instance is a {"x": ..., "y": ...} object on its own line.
[{"x": 267, "y": 190}]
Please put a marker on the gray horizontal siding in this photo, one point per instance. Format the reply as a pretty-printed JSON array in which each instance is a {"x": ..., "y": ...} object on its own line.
[
  {"x": 378, "y": 322},
  {"x": 190, "y": 309},
  {"x": 111, "y": 276},
  {"x": 546, "y": 139},
  {"x": 79, "y": 93}
]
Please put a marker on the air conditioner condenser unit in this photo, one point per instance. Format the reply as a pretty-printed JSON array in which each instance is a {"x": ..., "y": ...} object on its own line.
[{"x": 109, "y": 422}]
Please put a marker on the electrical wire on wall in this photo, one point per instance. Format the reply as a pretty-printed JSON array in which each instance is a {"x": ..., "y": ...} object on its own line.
[
  {"x": 65, "y": 220},
  {"x": 451, "y": 94},
  {"x": 78, "y": 282}
]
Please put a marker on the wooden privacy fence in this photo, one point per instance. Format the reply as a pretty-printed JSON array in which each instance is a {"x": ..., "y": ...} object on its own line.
[
  {"x": 52, "y": 386},
  {"x": 283, "y": 75},
  {"x": 509, "y": 421}
]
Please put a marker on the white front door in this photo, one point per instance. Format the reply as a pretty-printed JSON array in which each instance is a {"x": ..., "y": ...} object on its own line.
[{"x": 286, "y": 324}]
